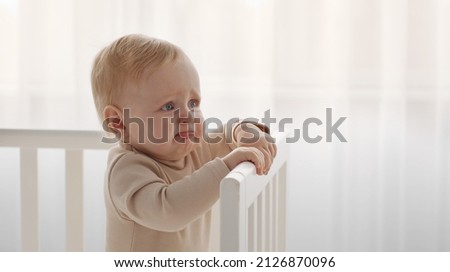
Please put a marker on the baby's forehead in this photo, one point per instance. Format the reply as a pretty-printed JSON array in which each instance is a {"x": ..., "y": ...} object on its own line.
[{"x": 172, "y": 78}]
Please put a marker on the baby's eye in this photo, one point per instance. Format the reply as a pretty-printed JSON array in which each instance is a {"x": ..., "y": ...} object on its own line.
[
  {"x": 168, "y": 107},
  {"x": 193, "y": 104}
]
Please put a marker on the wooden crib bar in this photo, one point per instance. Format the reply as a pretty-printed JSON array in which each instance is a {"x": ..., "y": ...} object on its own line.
[
  {"x": 253, "y": 208},
  {"x": 29, "y": 199},
  {"x": 74, "y": 200}
]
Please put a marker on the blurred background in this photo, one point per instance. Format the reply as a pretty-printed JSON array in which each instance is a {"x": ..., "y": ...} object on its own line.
[{"x": 383, "y": 64}]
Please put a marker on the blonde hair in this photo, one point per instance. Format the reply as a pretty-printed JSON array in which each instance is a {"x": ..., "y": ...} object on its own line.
[{"x": 126, "y": 59}]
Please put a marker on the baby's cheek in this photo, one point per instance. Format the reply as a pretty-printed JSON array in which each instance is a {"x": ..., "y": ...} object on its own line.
[
  {"x": 198, "y": 125},
  {"x": 161, "y": 129},
  {"x": 135, "y": 132}
]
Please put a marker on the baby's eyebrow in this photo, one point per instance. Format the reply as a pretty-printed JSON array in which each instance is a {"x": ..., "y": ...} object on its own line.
[
  {"x": 168, "y": 96},
  {"x": 165, "y": 96},
  {"x": 197, "y": 95}
]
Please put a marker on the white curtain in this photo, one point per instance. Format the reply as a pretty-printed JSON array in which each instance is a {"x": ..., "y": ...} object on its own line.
[{"x": 383, "y": 64}]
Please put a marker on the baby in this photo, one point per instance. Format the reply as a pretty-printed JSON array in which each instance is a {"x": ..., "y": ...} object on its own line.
[{"x": 164, "y": 176}]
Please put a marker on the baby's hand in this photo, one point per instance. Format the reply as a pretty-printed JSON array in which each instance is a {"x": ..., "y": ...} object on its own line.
[
  {"x": 249, "y": 135},
  {"x": 242, "y": 154}
]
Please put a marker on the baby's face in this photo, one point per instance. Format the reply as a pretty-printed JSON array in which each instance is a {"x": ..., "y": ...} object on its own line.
[{"x": 168, "y": 103}]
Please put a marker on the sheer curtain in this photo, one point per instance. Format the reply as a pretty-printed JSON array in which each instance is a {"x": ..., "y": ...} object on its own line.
[
  {"x": 50, "y": 45},
  {"x": 383, "y": 64}
]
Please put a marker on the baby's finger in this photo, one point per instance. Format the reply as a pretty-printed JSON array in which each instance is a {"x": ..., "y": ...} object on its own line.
[
  {"x": 273, "y": 150},
  {"x": 267, "y": 160},
  {"x": 261, "y": 162}
]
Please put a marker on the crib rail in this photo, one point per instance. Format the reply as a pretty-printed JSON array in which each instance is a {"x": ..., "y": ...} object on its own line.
[
  {"x": 74, "y": 143},
  {"x": 253, "y": 208}
]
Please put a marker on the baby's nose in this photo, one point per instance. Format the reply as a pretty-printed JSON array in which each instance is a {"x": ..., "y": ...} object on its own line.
[{"x": 185, "y": 115}]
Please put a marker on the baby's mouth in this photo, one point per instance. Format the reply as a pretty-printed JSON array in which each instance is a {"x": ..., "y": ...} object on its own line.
[{"x": 185, "y": 136}]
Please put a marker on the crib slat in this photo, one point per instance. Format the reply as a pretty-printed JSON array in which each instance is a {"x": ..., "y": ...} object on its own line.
[
  {"x": 268, "y": 192},
  {"x": 276, "y": 225},
  {"x": 272, "y": 216},
  {"x": 29, "y": 199},
  {"x": 251, "y": 228},
  {"x": 74, "y": 200},
  {"x": 282, "y": 208},
  {"x": 260, "y": 226},
  {"x": 267, "y": 216}
]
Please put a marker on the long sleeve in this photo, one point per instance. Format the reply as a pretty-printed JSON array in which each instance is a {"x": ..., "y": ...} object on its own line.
[{"x": 140, "y": 195}]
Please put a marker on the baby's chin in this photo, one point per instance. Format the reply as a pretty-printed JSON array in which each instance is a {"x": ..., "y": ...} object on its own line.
[
  {"x": 186, "y": 139},
  {"x": 178, "y": 150},
  {"x": 186, "y": 145}
]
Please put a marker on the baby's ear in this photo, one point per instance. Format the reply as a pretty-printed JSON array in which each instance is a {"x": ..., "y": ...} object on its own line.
[{"x": 113, "y": 120}]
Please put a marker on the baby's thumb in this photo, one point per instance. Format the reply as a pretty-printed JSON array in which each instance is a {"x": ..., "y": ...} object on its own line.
[{"x": 257, "y": 158}]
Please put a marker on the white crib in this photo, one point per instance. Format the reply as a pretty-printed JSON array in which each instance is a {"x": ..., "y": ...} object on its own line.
[{"x": 252, "y": 208}]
